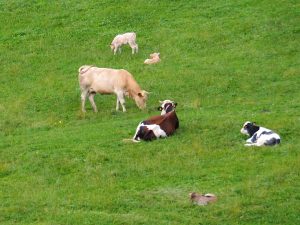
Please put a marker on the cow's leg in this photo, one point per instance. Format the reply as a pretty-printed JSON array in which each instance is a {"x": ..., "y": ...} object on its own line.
[
  {"x": 91, "y": 98},
  {"x": 84, "y": 94},
  {"x": 132, "y": 46},
  {"x": 120, "y": 98},
  {"x": 118, "y": 104},
  {"x": 115, "y": 50},
  {"x": 260, "y": 142},
  {"x": 250, "y": 144},
  {"x": 253, "y": 144},
  {"x": 136, "y": 137}
]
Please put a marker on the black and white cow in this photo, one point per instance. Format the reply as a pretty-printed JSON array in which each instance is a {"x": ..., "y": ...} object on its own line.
[
  {"x": 259, "y": 136},
  {"x": 159, "y": 126}
]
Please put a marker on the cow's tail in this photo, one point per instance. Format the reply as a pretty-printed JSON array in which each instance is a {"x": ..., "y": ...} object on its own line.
[
  {"x": 130, "y": 140},
  {"x": 84, "y": 69}
]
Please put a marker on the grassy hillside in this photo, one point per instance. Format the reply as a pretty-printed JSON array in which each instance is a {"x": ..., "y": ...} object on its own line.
[{"x": 224, "y": 62}]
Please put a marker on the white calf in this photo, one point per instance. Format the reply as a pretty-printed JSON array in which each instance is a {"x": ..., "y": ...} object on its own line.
[{"x": 123, "y": 39}]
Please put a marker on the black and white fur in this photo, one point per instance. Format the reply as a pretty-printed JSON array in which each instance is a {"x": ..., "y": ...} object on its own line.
[
  {"x": 166, "y": 106},
  {"x": 259, "y": 136}
]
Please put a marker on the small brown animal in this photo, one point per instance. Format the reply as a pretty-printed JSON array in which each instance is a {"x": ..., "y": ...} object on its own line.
[
  {"x": 202, "y": 199},
  {"x": 154, "y": 58}
]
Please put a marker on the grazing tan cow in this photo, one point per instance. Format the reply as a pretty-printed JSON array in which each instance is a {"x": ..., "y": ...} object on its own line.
[
  {"x": 93, "y": 80},
  {"x": 123, "y": 39},
  {"x": 154, "y": 58}
]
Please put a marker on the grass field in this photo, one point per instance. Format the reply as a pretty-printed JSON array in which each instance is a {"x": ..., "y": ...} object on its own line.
[{"x": 223, "y": 62}]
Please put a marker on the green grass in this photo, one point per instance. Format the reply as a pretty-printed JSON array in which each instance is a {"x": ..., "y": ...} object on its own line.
[{"x": 224, "y": 62}]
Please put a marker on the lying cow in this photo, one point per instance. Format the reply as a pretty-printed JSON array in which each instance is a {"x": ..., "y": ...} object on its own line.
[
  {"x": 202, "y": 199},
  {"x": 123, "y": 39},
  {"x": 154, "y": 58},
  {"x": 94, "y": 80},
  {"x": 259, "y": 136},
  {"x": 160, "y": 126}
]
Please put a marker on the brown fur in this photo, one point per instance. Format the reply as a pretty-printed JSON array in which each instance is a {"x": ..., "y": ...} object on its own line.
[
  {"x": 167, "y": 122},
  {"x": 202, "y": 199}
]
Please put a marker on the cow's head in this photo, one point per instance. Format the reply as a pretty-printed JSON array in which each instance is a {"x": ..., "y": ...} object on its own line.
[
  {"x": 141, "y": 99},
  {"x": 154, "y": 55},
  {"x": 249, "y": 128},
  {"x": 166, "y": 106}
]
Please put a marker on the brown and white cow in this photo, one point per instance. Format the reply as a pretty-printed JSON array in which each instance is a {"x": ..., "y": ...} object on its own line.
[
  {"x": 159, "y": 126},
  {"x": 93, "y": 80}
]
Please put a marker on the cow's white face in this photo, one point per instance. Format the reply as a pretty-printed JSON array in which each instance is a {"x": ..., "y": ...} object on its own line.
[
  {"x": 166, "y": 106},
  {"x": 249, "y": 128},
  {"x": 245, "y": 128}
]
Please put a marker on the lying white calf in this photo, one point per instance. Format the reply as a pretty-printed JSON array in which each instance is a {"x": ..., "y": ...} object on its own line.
[
  {"x": 259, "y": 136},
  {"x": 154, "y": 58},
  {"x": 123, "y": 39}
]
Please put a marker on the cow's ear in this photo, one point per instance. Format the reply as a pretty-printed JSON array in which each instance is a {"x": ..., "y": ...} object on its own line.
[{"x": 159, "y": 108}]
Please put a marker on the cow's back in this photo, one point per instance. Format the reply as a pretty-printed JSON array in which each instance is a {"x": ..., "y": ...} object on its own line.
[
  {"x": 168, "y": 122},
  {"x": 102, "y": 80},
  {"x": 131, "y": 36},
  {"x": 171, "y": 122},
  {"x": 125, "y": 38}
]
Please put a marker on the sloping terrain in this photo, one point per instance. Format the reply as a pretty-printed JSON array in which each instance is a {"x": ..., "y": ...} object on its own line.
[{"x": 223, "y": 62}]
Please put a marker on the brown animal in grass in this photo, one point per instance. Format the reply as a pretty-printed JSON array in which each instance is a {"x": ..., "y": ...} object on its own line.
[{"x": 202, "y": 199}]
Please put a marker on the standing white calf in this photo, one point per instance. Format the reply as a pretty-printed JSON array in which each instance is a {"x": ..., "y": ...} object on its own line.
[
  {"x": 154, "y": 58},
  {"x": 93, "y": 80},
  {"x": 123, "y": 39}
]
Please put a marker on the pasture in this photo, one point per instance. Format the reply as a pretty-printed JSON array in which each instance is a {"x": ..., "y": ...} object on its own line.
[{"x": 223, "y": 62}]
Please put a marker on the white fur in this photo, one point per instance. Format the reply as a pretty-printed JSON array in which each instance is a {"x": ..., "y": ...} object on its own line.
[
  {"x": 158, "y": 132},
  {"x": 164, "y": 111},
  {"x": 123, "y": 39}
]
